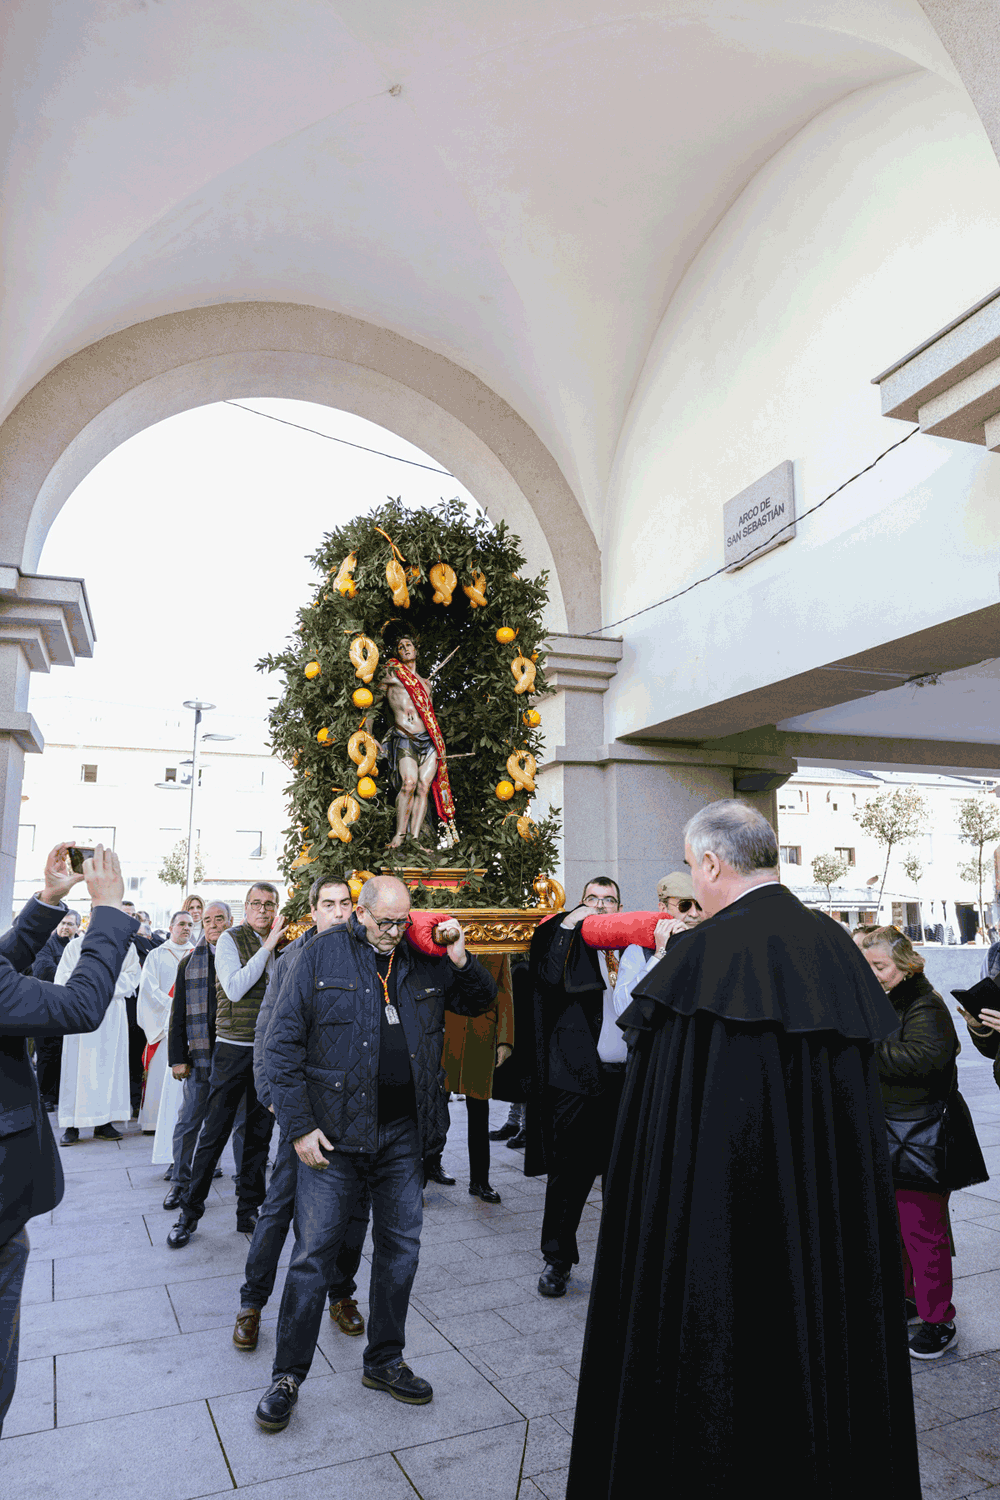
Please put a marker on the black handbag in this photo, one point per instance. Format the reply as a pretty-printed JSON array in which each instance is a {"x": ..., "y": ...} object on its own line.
[{"x": 918, "y": 1151}]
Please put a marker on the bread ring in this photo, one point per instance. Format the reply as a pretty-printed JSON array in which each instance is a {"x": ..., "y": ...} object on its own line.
[
  {"x": 523, "y": 673},
  {"x": 362, "y": 747},
  {"x": 395, "y": 577},
  {"x": 341, "y": 812},
  {"x": 475, "y": 591},
  {"x": 521, "y": 768},
  {"x": 364, "y": 657},
  {"x": 527, "y": 828},
  {"x": 444, "y": 581}
]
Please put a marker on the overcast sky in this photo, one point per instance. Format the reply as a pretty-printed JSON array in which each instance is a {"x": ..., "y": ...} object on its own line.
[{"x": 192, "y": 538}]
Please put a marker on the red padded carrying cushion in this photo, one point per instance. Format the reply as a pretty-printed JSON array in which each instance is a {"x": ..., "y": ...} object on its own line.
[
  {"x": 420, "y": 933},
  {"x": 621, "y": 928}
]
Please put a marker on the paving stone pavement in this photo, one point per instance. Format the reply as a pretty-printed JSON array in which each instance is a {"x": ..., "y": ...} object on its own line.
[{"x": 129, "y": 1378}]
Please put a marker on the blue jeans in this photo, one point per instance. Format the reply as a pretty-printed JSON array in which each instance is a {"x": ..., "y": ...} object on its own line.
[
  {"x": 13, "y": 1264},
  {"x": 272, "y": 1227},
  {"x": 325, "y": 1202}
]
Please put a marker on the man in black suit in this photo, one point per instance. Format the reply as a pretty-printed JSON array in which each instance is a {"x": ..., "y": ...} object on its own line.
[
  {"x": 577, "y": 1078},
  {"x": 48, "y": 1050},
  {"x": 31, "y": 1180}
]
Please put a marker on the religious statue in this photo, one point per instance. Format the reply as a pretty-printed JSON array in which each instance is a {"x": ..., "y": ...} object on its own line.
[{"x": 414, "y": 747}]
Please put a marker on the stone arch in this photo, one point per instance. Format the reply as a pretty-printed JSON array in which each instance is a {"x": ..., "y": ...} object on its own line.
[{"x": 106, "y": 393}]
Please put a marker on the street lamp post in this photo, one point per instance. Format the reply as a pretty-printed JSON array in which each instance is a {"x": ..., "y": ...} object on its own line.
[{"x": 199, "y": 708}]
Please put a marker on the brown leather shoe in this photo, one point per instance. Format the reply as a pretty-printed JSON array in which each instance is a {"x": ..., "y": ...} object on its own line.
[
  {"x": 346, "y": 1316},
  {"x": 247, "y": 1328}
]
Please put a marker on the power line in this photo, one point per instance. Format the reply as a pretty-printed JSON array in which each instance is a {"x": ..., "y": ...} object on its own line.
[
  {"x": 811, "y": 511},
  {"x": 253, "y": 412}
]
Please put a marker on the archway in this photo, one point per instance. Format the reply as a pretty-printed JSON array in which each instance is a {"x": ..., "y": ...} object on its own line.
[{"x": 106, "y": 393}]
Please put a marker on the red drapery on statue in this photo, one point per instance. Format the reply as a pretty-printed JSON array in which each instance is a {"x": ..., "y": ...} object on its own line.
[{"x": 441, "y": 785}]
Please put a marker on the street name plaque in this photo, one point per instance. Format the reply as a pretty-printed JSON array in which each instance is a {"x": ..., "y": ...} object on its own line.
[{"x": 760, "y": 518}]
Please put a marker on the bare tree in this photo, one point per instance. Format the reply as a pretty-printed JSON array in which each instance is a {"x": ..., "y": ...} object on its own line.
[
  {"x": 978, "y": 825},
  {"x": 891, "y": 818},
  {"x": 828, "y": 870}
]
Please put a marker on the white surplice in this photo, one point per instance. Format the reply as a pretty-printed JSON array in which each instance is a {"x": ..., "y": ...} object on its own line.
[
  {"x": 93, "y": 1084},
  {"x": 156, "y": 993}
]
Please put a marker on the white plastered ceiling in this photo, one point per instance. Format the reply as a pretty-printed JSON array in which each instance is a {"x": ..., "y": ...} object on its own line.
[{"x": 519, "y": 187}]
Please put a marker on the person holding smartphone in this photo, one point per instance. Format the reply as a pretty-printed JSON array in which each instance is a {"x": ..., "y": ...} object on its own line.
[{"x": 31, "y": 1180}]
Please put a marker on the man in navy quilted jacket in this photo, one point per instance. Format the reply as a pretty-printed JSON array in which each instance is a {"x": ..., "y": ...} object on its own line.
[
  {"x": 31, "y": 1179},
  {"x": 352, "y": 1053}
]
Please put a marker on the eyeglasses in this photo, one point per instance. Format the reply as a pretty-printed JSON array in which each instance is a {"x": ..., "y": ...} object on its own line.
[
  {"x": 390, "y": 924},
  {"x": 600, "y": 901},
  {"x": 684, "y": 905},
  {"x": 262, "y": 906}
]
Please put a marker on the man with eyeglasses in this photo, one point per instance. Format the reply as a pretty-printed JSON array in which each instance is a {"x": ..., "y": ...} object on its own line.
[
  {"x": 352, "y": 1053},
  {"x": 578, "y": 1075},
  {"x": 244, "y": 960}
]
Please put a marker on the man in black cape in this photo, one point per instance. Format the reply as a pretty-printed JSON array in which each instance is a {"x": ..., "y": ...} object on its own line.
[{"x": 747, "y": 1313}]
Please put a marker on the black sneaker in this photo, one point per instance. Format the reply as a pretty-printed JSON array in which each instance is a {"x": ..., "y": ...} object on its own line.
[
  {"x": 399, "y": 1380},
  {"x": 274, "y": 1409},
  {"x": 932, "y": 1339},
  {"x": 108, "y": 1133}
]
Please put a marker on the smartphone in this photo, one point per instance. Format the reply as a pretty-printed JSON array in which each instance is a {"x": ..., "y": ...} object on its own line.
[
  {"x": 77, "y": 857},
  {"x": 985, "y": 994}
]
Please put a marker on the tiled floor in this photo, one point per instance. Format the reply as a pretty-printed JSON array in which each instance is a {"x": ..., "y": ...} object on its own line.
[{"x": 129, "y": 1381}]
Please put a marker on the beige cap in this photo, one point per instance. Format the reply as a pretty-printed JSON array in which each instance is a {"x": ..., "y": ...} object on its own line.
[{"x": 677, "y": 883}]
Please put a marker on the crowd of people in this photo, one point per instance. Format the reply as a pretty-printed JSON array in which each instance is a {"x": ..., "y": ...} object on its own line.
[{"x": 770, "y": 1102}]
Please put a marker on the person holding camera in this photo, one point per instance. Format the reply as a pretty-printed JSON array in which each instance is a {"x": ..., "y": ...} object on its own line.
[{"x": 31, "y": 1179}]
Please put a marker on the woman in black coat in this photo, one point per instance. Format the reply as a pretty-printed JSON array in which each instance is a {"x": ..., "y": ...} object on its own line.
[{"x": 918, "y": 1074}]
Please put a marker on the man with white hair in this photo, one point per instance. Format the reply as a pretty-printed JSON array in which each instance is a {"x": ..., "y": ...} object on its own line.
[
  {"x": 352, "y": 1053},
  {"x": 747, "y": 1307}
]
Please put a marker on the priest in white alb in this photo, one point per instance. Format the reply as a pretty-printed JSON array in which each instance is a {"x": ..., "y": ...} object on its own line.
[
  {"x": 153, "y": 1011},
  {"x": 93, "y": 1084}
]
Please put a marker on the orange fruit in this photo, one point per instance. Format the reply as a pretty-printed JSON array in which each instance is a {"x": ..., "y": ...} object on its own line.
[
  {"x": 532, "y": 718},
  {"x": 361, "y": 698},
  {"x": 312, "y": 669},
  {"x": 505, "y": 790},
  {"x": 324, "y": 734},
  {"x": 366, "y": 787},
  {"x": 505, "y": 635}
]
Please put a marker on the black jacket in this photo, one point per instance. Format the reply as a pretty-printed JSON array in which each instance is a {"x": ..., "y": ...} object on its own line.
[
  {"x": 321, "y": 1045},
  {"x": 31, "y": 1180},
  {"x": 178, "y": 1051},
  {"x": 916, "y": 1065},
  {"x": 47, "y": 962},
  {"x": 282, "y": 964}
]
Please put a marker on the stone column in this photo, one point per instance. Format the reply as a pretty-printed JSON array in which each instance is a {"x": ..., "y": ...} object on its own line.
[
  {"x": 624, "y": 805},
  {"x": 43, "y": 622}
]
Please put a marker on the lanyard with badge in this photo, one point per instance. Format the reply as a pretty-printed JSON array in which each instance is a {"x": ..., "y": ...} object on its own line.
[{"x": 391, "y": 1013}]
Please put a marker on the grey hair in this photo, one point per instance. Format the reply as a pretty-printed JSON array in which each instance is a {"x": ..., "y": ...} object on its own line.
[
  {"x": 263, "y": 885},
  {"x": 222, "y": 906},
  {"x": 378, "y": 885},
  {"x": 736, "y": 833}
]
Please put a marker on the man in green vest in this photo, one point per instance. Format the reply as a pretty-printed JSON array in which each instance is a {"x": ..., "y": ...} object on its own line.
[{"x": 244, "y": 959}]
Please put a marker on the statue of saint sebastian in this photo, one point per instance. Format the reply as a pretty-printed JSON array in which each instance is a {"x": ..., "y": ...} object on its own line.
[{"x": 414, "y": 747}]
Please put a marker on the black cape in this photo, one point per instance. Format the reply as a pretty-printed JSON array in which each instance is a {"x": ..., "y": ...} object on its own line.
[{"x": 746, "y": 1318}]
